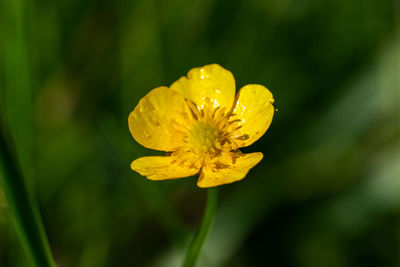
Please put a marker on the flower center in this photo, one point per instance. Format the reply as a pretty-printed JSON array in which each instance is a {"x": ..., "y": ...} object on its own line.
[
  {"x": 203, "y": 136},
  {"x": 209, "y": 129}
]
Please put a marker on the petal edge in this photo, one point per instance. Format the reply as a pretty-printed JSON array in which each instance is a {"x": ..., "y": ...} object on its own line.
[
  {"x": 253, "y": 112},
  {"x": 228, "y": 173},
  {"x": 165, "y": 167},
  {"x": 210, "y": 81},
  {"x": 158, "y": 120}
]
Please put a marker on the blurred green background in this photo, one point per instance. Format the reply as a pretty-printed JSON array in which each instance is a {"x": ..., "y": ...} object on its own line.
[{"x": 327, "y": 192}]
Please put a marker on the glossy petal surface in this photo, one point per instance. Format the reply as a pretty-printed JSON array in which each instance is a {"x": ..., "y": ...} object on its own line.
[
  {"x": 253, "y": 114},
  {"x": 158, "y": 121},
  {"x": 168, "y": 167},
  {"x": 227, "y": 168},
  {"x": 212, "y": 82}
]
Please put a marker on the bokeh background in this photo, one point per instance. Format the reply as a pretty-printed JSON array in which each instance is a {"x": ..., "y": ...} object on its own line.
[{"x": 327, "y": 192}]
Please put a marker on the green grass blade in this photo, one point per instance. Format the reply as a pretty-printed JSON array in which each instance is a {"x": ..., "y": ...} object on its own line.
[
  {"x": 16, "y": 110},
  {"x": 23, "y": 212}
]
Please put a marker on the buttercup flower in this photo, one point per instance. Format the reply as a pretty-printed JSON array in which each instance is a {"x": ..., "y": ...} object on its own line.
[{"x": 202, "y": 125}]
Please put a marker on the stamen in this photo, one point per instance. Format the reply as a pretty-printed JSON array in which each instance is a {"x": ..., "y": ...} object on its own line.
[
  {"x": 193, "y": 109},
  {"x": 243, "y": 137},
  {"x": 235, "y": 121},
  {"x": 215, "y": 111}
]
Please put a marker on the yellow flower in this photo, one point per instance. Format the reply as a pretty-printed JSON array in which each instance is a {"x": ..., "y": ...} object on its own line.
[{"x": 201, "y": 123}]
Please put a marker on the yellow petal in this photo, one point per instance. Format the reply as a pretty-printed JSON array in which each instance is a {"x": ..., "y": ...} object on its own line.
[
  {"x": 158, "y": 121},
  {"x": 253, "y": 114},
  {"x": 212, "y": 82},
  {"x": 168, "y": 167},
  {"x": 227, "y": 168}
]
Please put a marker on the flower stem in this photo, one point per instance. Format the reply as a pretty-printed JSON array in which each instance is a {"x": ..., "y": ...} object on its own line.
[{"x": 195, "y": 246}]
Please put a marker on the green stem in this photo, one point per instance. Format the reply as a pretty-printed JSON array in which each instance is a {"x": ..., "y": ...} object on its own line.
[
  {"x": 23, "y": 212},
  {"x": 195, "y": 246}
]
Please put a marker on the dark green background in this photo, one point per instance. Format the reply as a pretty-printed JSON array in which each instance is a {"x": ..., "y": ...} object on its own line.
[{"x": 327, "y": 192}]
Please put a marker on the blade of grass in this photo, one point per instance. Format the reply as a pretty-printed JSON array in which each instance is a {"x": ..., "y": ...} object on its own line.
[
  {"x": 16, "y": 91},
  {"x": 23, "y": 211},
  {"x": 16, "y": 110}
]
